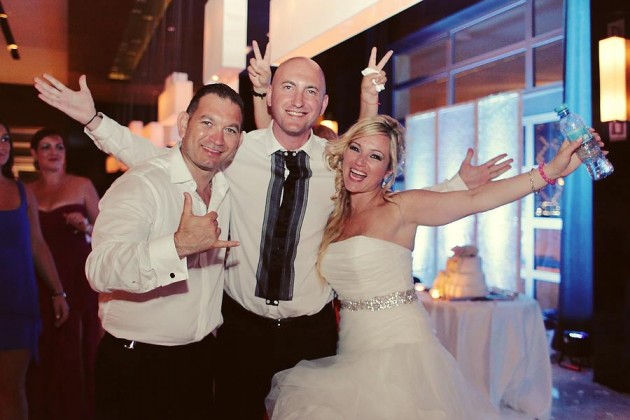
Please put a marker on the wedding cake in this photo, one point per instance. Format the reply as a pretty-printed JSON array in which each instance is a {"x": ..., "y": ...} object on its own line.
[{"x": 463, "y": 277}]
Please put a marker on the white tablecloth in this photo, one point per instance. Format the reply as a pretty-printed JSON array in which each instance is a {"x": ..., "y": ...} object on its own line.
[{"x": 500, "y": 346}]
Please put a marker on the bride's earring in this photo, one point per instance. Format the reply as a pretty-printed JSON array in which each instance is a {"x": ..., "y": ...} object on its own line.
[{"x": 388, "y": 180}]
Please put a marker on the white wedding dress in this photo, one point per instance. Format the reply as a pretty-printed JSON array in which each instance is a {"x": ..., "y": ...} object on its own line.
[{"x": 389, "y": 364}]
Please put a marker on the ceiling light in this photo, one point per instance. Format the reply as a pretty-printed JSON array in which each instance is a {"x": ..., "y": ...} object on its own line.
[{"x": 8, "y": 36}]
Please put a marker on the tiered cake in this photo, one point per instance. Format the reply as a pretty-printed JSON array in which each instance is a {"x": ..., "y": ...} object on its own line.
[{"x": 463, "y": 277}]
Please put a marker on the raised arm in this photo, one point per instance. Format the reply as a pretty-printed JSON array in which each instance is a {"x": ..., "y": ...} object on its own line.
[
  {"x": 428, "y": 208},
  {"x": 374, "y": 79},
  {"x": 109, "y": 136},
  {"x": 259, "y": 71}
]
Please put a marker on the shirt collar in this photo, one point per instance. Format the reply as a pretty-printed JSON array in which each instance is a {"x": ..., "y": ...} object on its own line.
[
  {"x": 272, "y": 145},
  {"x": 180, "y": 174}
]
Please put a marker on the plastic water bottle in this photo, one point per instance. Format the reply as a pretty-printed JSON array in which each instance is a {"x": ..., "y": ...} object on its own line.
[{"x": 573, "y": 128}]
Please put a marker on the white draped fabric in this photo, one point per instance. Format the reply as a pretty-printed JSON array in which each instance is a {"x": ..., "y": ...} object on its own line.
[
  {"x": 436, "y": 145},
  {"x": 500, "y": 346}
]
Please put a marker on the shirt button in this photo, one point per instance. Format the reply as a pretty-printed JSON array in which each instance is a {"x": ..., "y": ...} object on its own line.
[{"x": 172, "y": 275}]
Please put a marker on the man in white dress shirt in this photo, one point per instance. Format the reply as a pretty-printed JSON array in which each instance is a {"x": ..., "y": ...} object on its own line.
[{"x": 158, "y": 261}]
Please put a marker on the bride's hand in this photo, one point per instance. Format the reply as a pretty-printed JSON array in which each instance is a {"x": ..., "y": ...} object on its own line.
[{"x": 566, "y": 160}]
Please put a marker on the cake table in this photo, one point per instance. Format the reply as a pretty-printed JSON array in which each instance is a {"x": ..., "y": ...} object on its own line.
[{"x": 500, "y": 346}]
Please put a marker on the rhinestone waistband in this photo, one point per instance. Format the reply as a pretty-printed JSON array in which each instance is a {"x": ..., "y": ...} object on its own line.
[{"x": 392, "y": 300}]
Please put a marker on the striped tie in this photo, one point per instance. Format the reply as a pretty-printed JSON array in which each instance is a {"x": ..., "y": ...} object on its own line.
[{"x": 281, "y": 232}]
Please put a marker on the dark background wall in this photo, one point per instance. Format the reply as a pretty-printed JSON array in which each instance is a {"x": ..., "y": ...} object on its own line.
[{"x": 611, "y": 209}]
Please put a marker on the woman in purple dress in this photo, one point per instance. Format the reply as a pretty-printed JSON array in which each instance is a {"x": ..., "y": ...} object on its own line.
[
  {"x": 22, "y": 252},
  {"x": 61, "y": 384}
]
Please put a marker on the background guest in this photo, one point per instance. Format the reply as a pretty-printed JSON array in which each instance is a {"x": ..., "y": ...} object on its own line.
[
  {"x": 22, "y": 251},
  {"x": 61, "y": 385}
]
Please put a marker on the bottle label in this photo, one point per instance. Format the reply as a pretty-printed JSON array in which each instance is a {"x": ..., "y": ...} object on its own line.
[{"x": 580, "y": 133}]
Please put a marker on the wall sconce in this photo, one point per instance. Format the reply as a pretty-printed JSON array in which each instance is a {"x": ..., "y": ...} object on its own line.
[{"x": 614, "y": 59}]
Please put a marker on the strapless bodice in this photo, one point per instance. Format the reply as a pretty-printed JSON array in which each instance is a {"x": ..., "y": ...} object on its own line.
[{"x": 362, "y": 267}]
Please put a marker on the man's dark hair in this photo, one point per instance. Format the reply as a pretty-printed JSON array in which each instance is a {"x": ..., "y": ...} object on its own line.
[{"x": 221, "y": 90}]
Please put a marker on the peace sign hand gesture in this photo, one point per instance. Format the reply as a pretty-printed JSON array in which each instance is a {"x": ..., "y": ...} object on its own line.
[
  {"x": 374, "y": 79},
  {"x": 259, "y": 69}
]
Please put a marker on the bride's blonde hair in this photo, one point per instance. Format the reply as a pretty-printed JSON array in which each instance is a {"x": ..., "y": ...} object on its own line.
[{"x": 373, "y": 126}]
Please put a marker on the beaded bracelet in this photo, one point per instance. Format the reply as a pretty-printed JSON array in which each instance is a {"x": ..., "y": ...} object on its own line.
[
  {"x": 60, "y": 294},
  {"x": 541, "y": 170}
]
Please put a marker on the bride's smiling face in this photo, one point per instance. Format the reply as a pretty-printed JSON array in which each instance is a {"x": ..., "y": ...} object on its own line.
[{"x": 366, "y": 162}]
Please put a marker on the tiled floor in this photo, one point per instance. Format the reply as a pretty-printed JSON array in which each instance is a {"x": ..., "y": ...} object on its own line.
[{"x": 577, "y": 397}]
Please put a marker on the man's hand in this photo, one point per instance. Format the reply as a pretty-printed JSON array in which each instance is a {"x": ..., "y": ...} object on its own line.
[
  {"x": 196, "y": 234},
  {"x": 476, "y": 176},
  {"x": 78, "y": 105},
  {"x": 259, "y": 69}
]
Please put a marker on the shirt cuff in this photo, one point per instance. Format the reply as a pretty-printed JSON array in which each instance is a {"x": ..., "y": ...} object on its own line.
[
  {"x": 455, "y": 184},
  {"x": 169, "y": 268}
]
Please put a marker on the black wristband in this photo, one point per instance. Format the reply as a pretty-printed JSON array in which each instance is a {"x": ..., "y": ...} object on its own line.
[
  {"x": 259, "y": 95},
  {"x": 91, "y": 119},
  {"x": 60, "y": 294}
]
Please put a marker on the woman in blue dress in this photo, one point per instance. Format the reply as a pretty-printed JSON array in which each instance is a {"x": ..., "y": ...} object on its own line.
[{"x": 22, "y": 252}]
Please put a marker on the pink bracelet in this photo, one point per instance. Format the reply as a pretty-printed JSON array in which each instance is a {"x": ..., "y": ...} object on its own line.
[{"x": 541, "y": 171}]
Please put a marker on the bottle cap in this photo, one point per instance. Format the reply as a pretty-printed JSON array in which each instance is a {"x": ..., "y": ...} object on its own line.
[{"x": 561, "y": 108}]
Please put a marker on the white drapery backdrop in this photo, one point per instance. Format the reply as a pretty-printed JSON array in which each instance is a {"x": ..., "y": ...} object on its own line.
[{"x": 436, "y": 145}]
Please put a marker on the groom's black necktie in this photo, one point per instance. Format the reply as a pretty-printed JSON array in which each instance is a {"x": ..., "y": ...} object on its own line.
[{"x": 283, "y": 221}]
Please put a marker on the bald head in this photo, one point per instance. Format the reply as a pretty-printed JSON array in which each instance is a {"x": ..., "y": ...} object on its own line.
[
  {"x": 301, "y": 65},
  {"x": 298, "y": 97}
]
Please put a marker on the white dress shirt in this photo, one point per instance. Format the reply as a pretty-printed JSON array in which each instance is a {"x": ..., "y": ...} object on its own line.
[
  {"x": 249, "y": 176},
  {"x": 147, "y": 293}
]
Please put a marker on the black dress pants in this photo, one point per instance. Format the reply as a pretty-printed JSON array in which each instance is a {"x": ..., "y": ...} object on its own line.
[
  {"x": 253, "y": 348},
  {"x": 144, "y": 381}
]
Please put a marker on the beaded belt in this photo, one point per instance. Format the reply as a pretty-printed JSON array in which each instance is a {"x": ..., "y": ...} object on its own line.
[{"x": 381, "y": 302}]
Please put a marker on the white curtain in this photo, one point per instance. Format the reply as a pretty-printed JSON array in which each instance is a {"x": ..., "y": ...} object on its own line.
[{"x": 436, "y": 145}]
